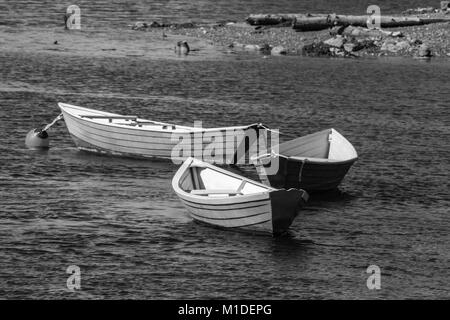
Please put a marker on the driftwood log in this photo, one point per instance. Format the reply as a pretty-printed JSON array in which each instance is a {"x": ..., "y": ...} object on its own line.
[
  {"x": 272, "y": 19},
  {"x": 316, "y": 22}
]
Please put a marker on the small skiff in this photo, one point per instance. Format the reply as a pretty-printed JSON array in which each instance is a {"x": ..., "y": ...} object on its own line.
[
  {"x": 223, "y": 199},
  {"x": 315, "y": 162},
  {"x": 129, "y": 135}
]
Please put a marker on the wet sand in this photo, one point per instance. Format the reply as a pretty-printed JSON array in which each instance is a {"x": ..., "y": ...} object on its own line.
[{"x": 102, "y": 43}]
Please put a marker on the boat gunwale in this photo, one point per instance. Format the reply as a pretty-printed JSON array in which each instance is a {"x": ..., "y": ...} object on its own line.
[
  {"x": 64, "y": 108},
  {"x": 316, "y": 160}
]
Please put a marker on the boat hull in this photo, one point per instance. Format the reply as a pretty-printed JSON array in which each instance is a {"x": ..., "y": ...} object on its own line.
[
  {"x": 249, "y": 216},
  {"x": 132, "y": 141},
  {"x": 272, "y": 211},
  {"x": 315, "y": 162},
  {"x": 307, "y": 174}
]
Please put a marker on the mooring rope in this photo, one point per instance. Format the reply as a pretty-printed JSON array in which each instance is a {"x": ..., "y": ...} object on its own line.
[
  {"x": 48, "y": 126},
  {"x": 260, "y": 125},
  {"x": 301, "y": 171}
]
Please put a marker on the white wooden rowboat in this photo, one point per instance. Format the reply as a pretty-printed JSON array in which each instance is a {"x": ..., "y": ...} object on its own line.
[
  {"x": 315, "y": 162},
  {"x": 131, "y": 136},
  {"x": 223, "y": 199}
]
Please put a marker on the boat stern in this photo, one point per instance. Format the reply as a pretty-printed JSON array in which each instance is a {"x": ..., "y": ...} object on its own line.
[{"x": 286, "y": 205}]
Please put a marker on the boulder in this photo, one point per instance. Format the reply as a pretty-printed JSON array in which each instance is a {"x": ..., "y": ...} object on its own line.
[
  {"x": 395, "y": 47},
  {"x": 278, "y": 50},
  {"x": 337, "y": 42},
  {"x": 265, "y": 48},
  {"x": 366, "y": 44},
  {"x": 402, "y": 45},
  {"x": 397, "y": 34},
  {"x": 424, "y": 51},
  {"x": 337, "y": 52},
  {"x": 155, "y": 24},
  {"x": 349, "y": 47},
  {"x": 388, "y": 45},
  {"x": 337, "y": 30},
  {"x": 415, "y": 42},
  {"x": 140, "y": 26},
  {"x": 252, "y": 47}
]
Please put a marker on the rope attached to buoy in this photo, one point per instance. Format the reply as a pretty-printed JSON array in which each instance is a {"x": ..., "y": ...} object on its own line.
[{"x": 59, "y": 117}]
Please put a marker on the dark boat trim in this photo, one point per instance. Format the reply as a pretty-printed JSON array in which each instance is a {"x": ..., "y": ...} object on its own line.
[{"x": 285, "y": 207}]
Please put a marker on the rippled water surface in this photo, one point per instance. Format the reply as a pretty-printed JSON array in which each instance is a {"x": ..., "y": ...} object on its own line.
[
  {"x": 119, "y": 12},
  {"x": 119, "y": 220}
]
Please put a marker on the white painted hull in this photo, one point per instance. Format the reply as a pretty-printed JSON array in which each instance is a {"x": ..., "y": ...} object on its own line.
[
  {"x": 117, "y": 137},
  {"x": 265, "y": 210}
]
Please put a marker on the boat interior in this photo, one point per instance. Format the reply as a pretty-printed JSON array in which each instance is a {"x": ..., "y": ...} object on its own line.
[
  {"x": 206, "y": 181},
  {"x": 108, "y": 118},
  {"x": 133, "y": 121},
  {"x": 121, "y": 120},
  {"x": 324, "y": 146}
]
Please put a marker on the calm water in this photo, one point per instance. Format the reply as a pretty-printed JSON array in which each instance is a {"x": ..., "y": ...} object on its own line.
[
  {"x": 119, "y": 220},
  {"x": 119, "y": 12}
]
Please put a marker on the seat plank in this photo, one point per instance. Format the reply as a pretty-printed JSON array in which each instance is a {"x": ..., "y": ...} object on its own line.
[
  {"x": 218, "y": 191},
  {"x": 110, "y": 118}
]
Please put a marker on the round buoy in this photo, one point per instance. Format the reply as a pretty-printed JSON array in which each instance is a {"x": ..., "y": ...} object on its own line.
[{"x": 37, "y": 139}]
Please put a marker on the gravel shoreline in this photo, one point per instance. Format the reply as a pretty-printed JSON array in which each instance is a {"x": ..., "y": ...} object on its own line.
[
  {"x": 212, "y": 41},
  {"x": 241, "y": 36}
]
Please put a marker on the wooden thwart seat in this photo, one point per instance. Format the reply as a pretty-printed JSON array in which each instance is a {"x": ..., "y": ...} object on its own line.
[
  {"x": 148, "y": 122},
  {"x": 137, "y": 122},
  {"x": 110, "y": 118},
  {"x": 206, "y": 192},
  {"x": 141, "y": 123}
]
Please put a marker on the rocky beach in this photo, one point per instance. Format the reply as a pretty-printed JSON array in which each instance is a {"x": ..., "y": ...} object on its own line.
[
  {"x": 209, "y": 40},
  {"x": 419, "y": 41}
]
